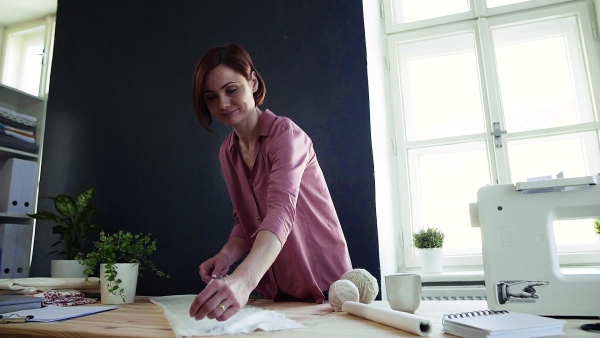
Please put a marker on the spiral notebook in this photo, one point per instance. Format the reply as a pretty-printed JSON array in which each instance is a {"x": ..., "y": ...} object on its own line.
[{"x": 489, "y": 323}]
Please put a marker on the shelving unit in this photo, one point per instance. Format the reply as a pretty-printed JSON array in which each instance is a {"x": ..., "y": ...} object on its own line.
[{"x": 34, "y": 106}]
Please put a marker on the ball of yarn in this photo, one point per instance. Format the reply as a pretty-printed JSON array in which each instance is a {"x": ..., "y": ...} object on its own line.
[
  {"x": 367, "y": 285},
  {"x": 341, "y": 291}
]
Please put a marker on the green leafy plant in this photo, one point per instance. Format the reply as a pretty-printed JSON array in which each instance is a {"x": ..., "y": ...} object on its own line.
[
  {"x": 74, "y": 222},
  {"x": 120, "y": 247},
  {"x": 597, "y": 226},
  {"x": 428, "y": 238}
]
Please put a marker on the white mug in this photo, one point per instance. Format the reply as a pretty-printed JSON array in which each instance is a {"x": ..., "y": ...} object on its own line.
[{"x": 403, "y": 291}]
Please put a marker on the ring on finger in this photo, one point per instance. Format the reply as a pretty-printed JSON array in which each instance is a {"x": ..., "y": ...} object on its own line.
[{"x": 222, "y": 307}]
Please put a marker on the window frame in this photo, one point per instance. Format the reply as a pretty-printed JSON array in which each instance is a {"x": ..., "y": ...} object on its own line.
[
  {"x": 481, "y": 28},
  {"x": 402, "y": 145},
  {"x": 47, "y": 26},
  {"x": 476, "y": 9}
]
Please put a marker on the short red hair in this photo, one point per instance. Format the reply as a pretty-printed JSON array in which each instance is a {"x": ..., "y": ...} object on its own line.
[{"x": 232, "y": 56}]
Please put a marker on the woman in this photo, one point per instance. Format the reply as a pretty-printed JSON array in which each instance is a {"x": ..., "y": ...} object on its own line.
[{"x": 285, "y": 224}]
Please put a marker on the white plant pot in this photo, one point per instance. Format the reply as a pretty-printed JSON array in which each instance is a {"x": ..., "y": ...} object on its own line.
[
  {"x": 66, "y": 268},
  {"x": 128, "y": 274},
  {"x": 432, "y": 260}
]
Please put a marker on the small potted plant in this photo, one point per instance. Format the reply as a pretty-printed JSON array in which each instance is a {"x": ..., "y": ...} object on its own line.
[
  {"x": 597, "y": 228},
  {"x": 430, "y": 242},
  {"x": 75, "y": 225},
  {"x": 121, "y": 257}
]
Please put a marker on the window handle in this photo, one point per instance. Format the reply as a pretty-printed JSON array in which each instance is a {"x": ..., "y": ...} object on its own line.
[{"x": 497, "y": 133}]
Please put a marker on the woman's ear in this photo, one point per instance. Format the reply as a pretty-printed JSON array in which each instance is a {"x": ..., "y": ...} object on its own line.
[{"x": 254, "y": 81}]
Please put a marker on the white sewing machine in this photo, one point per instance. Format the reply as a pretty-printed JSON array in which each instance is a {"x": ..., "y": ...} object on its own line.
[{"x": 521, "y": 265}]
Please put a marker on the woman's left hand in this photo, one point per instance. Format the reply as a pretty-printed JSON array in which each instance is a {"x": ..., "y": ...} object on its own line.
[
  {"x": 221, "y": 299},
  {"x": 224, "y": 297}
]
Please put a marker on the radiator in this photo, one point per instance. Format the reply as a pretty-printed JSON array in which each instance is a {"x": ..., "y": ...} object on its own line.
[{"x": 473, "y": 290}]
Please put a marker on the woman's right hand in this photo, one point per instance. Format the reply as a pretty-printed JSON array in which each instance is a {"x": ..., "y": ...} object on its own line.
[{"x": 215, "y": 267}]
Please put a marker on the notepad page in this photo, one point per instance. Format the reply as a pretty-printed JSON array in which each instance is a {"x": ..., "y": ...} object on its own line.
[
  {"x": 470, "y": 332},
  {"x": 504, "y": 324}
]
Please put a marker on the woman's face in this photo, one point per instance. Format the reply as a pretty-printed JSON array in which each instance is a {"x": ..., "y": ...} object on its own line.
[{"x": 229, "y": 95}]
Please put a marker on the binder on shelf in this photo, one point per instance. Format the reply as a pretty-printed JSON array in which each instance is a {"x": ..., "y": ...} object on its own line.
[
  {"x": 15, "y": 249},
  {"x": 28, "y": 187},
  {"x": 17, "y": 186}
]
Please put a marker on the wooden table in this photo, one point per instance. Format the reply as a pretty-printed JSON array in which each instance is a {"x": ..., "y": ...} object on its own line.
[{"x": 144, "y": 319}]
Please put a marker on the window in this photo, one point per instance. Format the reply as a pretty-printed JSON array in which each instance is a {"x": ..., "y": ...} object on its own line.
[
  {"x": 489, "y": 92},
  {"x": 27, "y": 56}
]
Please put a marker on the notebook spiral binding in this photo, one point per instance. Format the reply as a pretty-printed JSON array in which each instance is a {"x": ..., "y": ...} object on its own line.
[{"x": 478, "y": 313}]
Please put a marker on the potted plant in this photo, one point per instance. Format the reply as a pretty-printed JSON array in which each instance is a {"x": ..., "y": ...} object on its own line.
[
  {"x": 74, "y": 225},
  {"x": 597, "y": 228},
  {"x": 121, "y": 257},
  {"x": 429, "y": 242}
]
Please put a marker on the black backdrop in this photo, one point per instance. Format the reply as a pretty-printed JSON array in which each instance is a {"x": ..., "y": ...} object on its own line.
[{"x": 120, "y": 118}]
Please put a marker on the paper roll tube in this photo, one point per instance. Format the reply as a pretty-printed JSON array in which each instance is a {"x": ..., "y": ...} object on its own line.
[{"x": 397, "y": 319}]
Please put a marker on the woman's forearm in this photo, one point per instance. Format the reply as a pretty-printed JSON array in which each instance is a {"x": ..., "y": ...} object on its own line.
[
  {"x": 235, "y": 249},
  {"x": 263, "y": 253}
]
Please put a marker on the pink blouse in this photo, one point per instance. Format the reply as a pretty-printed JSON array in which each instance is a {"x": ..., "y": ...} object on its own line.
[{"x": 286, "y": 194}]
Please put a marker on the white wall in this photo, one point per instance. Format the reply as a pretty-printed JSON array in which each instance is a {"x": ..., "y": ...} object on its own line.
[
  {"x": 597, "y": 5},
  {"x": 2, "y": 37},
  {"x": 381, "y": 142}
]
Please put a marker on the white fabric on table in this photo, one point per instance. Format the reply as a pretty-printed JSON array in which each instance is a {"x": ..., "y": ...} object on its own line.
[{"x": 248, "y": 319}]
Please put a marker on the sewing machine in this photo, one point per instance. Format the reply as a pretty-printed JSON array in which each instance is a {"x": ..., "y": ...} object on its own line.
[{"x": 521, "y": 265}]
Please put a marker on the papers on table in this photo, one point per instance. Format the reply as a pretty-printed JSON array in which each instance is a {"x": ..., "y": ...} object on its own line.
[{"x": 57, "y": 313}]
